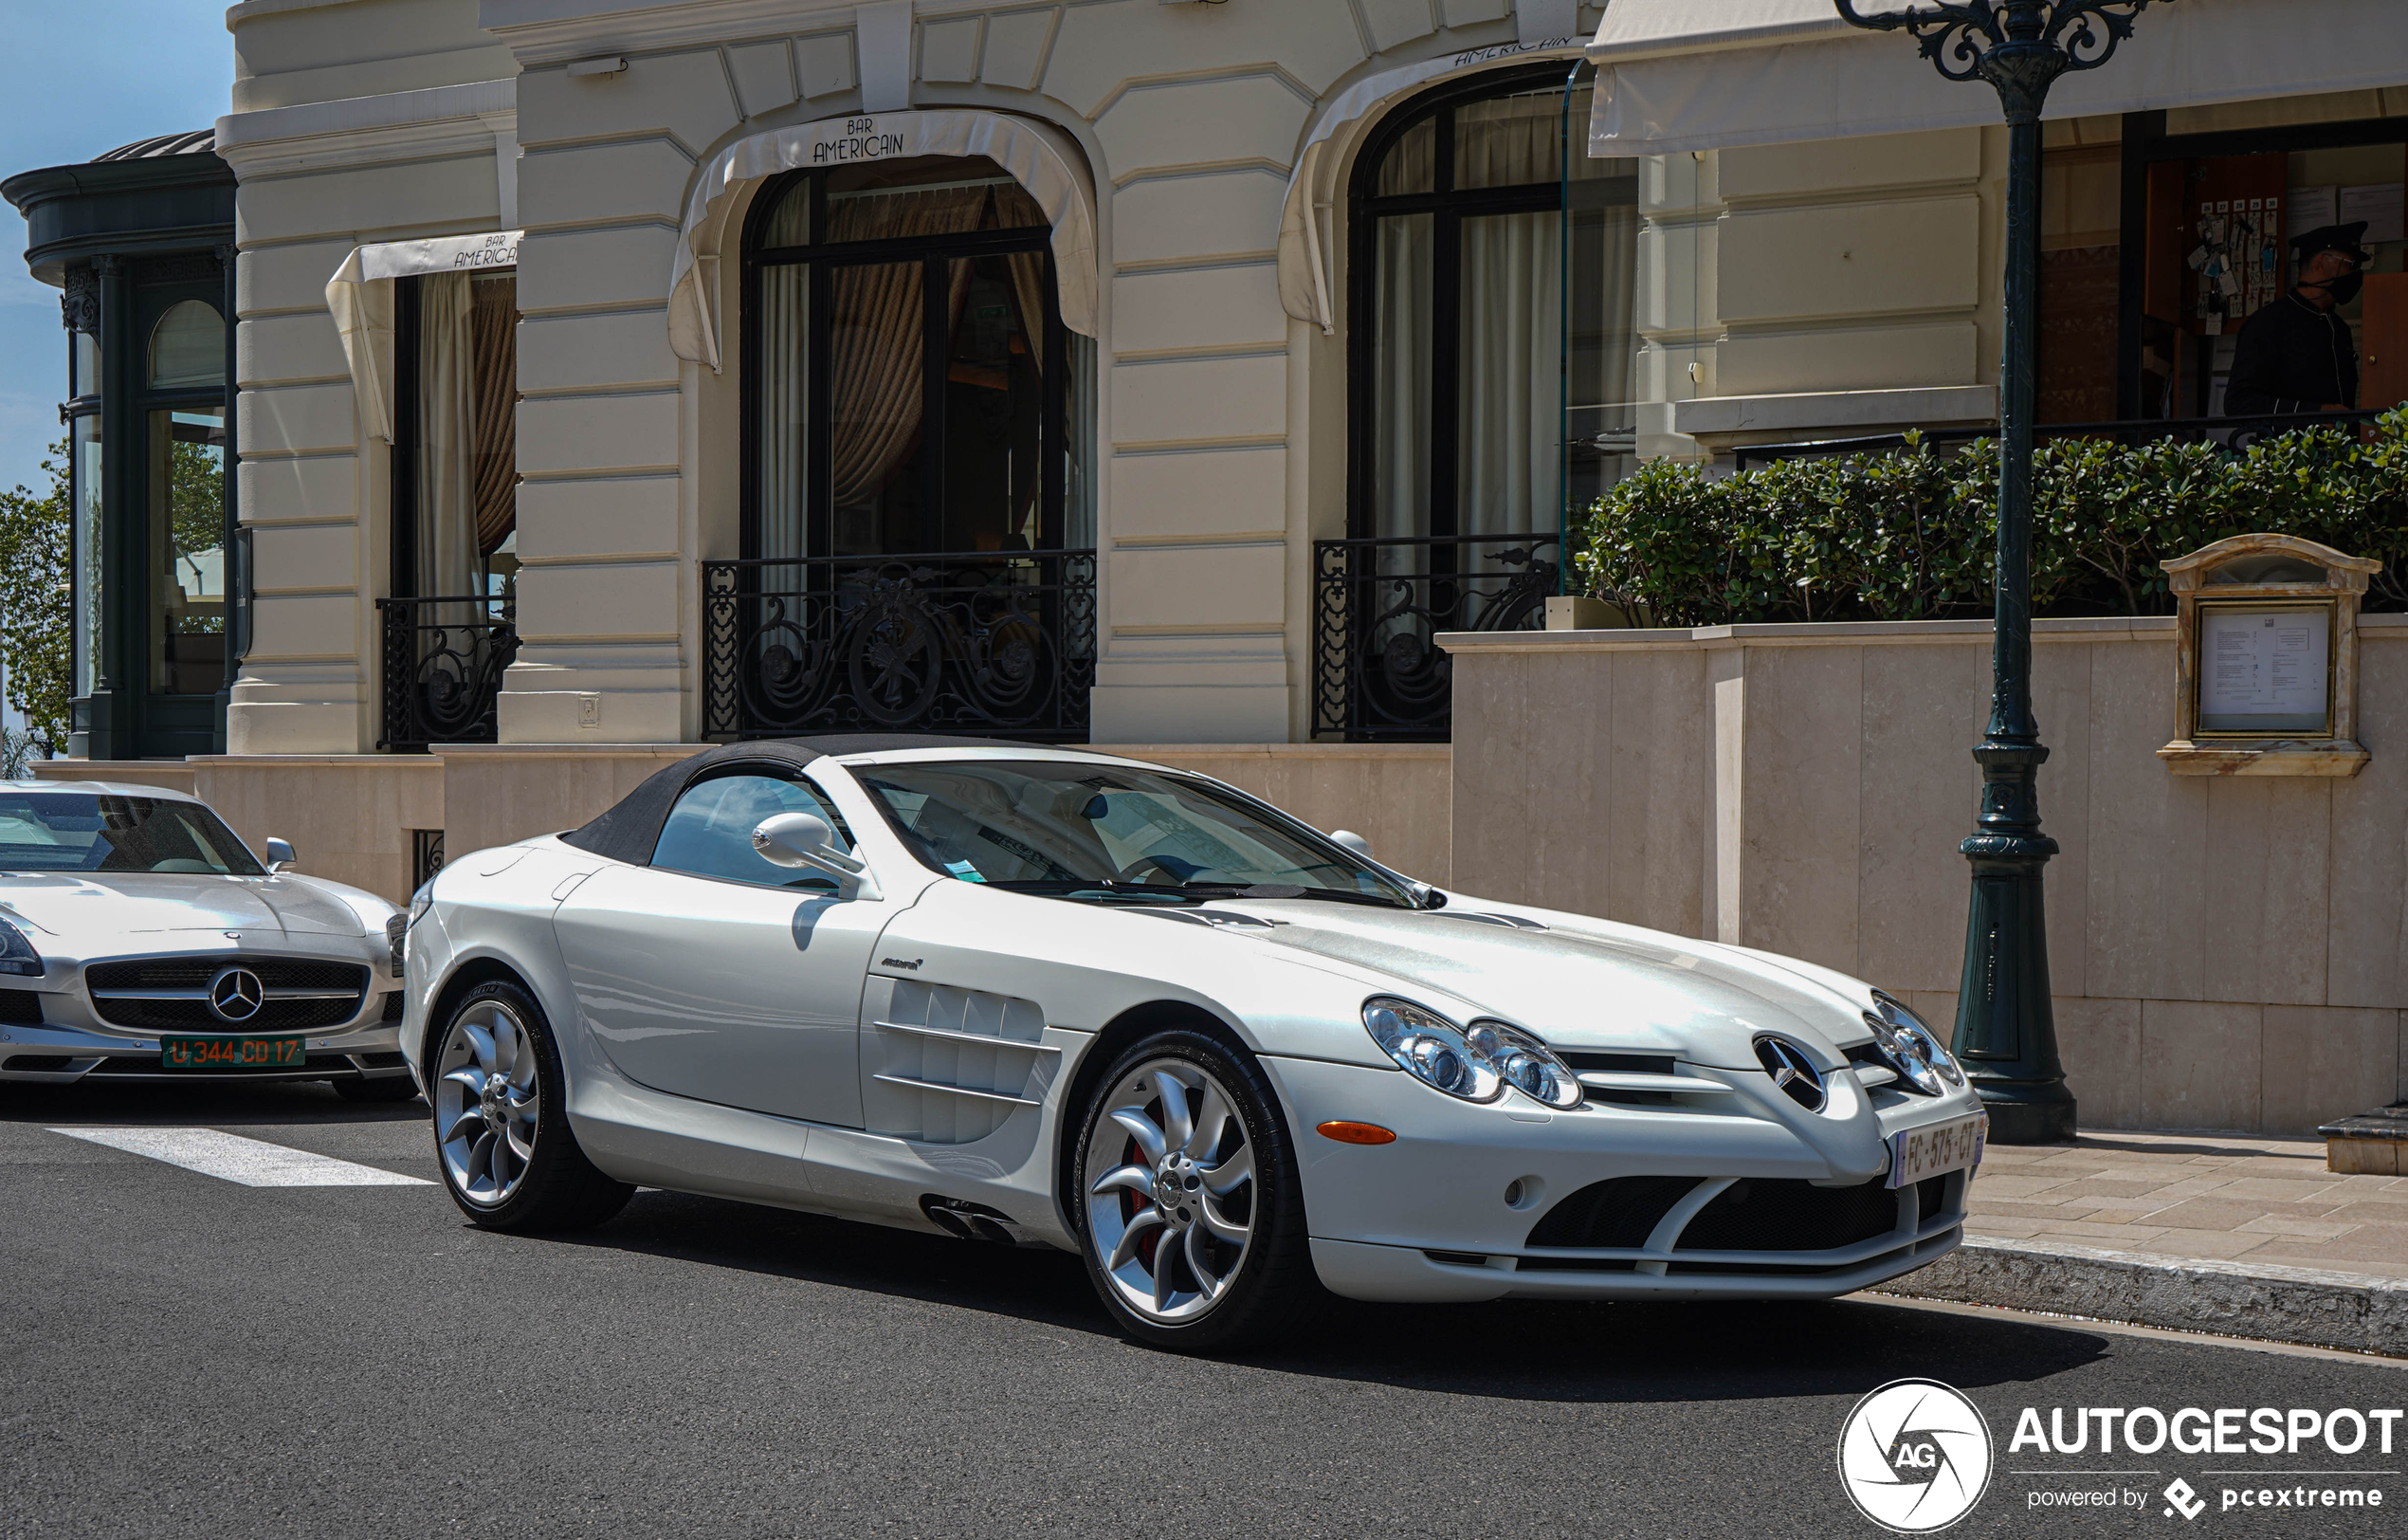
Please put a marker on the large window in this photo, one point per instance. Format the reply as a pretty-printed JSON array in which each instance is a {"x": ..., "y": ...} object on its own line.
[
  {"x": 911, "y": 388},
  {"x": 1492, "y": 347},
  {"x": 182, "y": 636}
]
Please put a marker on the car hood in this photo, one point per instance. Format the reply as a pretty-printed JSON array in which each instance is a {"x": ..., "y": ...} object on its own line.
[
  {"x": 90, "y": 911},
  {"x": 1578, "y": 983}
]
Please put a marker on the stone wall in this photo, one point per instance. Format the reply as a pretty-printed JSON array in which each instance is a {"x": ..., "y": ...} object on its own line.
[{"x": 2228, "y": 952}]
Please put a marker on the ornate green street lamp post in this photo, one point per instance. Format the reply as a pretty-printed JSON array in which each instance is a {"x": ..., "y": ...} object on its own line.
[{"x": 2006, "y": 1028}]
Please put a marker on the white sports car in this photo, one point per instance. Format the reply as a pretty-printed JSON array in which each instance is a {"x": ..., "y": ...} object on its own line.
[
  {"x": 140, "y": 939},
  {"x": 1056, "y": 997}
]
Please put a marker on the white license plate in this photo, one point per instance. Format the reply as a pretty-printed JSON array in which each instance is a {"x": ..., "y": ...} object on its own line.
[{"x": 1918, "y": 1153}]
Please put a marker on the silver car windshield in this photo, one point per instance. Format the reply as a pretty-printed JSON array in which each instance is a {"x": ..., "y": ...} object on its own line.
[
  {"x": 1113, "y": 832},
  {"x": 88, "y": 831}
]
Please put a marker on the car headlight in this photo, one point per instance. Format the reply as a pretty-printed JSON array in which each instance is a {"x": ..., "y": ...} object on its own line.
[
  {"x": 1476, "y": 1062},
  {"x": 1913, "y": 1048},
  {"x": 421, "y": 901},
  {"x": 17, "y": 954}
]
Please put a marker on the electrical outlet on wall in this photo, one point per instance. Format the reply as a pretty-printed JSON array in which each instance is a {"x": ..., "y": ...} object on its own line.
[{"x": 588, "y": 710}]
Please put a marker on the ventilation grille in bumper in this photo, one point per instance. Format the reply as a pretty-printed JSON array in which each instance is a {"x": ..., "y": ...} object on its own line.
[
  {"x": 1769, "y": 1214},
  {"x": 1622, "y": 1212},
  {"x": 1751, "y": 1215},
  {"x": 37, "y": 1063},
  {"x": 393, "y": 1007},
  {"x": 19, "y": 1007},
  {"x": 325, "y": 1066}
]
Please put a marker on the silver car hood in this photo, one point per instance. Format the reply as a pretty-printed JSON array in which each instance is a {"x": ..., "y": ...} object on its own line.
[
  {"x": 1579, "y": 984},
  {"x": 90, "y": 913}
]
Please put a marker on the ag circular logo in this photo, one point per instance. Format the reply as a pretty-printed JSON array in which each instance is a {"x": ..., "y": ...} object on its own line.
[
  {"x": 1915, "y": 1456},
  {"x": 236, "y": 995}
]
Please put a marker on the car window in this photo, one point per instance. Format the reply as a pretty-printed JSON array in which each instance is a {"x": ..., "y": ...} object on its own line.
[
  {"x": 1055, "y": 826},
  {"x": 709, "y": 833},
  {"x": 89, "y": 832}
]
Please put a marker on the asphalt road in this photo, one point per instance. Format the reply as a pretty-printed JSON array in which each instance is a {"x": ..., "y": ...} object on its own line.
[{"x": 184, "y": 1355}]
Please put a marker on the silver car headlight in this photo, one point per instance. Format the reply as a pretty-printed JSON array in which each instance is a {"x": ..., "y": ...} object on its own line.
[
  {"x": 1913, "y": 1048},
  {"x": 17, "y": 954},
  {"x": 1476, "y": 1062}
]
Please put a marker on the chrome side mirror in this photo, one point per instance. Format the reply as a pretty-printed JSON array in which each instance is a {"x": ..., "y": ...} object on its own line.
[
  {"x": 804, "y": 840},
  {"x": 280, "y": 854},
  {"x": 1352, "y": 841}
]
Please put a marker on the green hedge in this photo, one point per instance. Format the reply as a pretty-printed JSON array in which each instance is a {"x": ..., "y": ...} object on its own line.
[{"x": 1909, "y": 535}]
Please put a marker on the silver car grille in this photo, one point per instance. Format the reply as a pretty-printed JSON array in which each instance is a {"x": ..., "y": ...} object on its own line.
[{"x": 171, "y": 994}]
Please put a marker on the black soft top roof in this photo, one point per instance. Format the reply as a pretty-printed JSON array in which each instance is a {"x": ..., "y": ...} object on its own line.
[{"x": 630, "y": 831}]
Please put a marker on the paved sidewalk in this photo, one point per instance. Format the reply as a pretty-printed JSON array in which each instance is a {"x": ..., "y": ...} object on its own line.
[{"x": 2209, "y": 1197}]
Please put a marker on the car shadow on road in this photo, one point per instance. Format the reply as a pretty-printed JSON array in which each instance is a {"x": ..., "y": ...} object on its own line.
[
  {"x": 1510, "y": 1349},
  {"x": 214, "y": 1105}
]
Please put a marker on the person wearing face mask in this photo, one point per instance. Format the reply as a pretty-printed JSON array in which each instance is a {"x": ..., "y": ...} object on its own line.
[{"x": 2296, "y": 354}]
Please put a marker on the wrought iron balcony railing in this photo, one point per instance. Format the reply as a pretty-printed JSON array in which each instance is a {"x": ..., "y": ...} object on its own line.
[
  {"x": 996, "y": 644},
  {"x": 444, "y": 659},
  {"x": 1379, "y": 605}
]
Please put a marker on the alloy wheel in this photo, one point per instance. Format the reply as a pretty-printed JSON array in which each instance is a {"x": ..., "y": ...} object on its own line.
[
  {"x": 487, "y": 1102},
  {"x": 1169, "y": 1190}
]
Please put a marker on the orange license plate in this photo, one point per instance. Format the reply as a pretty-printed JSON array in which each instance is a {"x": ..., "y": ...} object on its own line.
[{"x": 232, "y": 1053}]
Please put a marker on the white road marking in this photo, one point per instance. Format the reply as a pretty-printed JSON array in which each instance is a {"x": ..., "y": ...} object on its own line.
[{"x": 233, "y": 1158}]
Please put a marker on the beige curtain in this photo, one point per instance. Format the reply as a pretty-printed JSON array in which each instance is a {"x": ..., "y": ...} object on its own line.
[
  {"x": 494, "y": 383},
  {"x": 874, "y": 343},
  {"x": 447, "y": 553},
  {"x": 1509, "y": 377},
  {"x": 785, "y": 385},
  {"x": 1401, "y": 365}
]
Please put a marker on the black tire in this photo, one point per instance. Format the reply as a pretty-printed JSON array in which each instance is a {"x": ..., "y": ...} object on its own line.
[
  {"x": 1273, "y": 1294},
  {"x": 558, "y": 1187},
  {"x": 390, "y": 1088}
]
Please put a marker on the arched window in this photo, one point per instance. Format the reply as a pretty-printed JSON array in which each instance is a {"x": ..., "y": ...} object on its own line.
[
  {"x": 909, "y": 382},
  {"x": 188, "y": 347},
  {"x": 1476, "y": 387}
]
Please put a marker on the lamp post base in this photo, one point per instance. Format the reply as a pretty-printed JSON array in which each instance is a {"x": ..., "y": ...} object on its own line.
[{"x": 2027, "y": 1111}]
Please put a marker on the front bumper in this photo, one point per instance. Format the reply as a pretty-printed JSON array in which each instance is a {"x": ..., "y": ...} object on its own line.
[
  {"x": 1453, "y": 1209},
  {"x": 72, "y": 1044}
]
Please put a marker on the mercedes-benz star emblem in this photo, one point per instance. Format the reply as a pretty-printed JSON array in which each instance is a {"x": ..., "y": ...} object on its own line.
[
  {"x": 236, "y": 995},
  {"x": 1793, "y": 1073}
]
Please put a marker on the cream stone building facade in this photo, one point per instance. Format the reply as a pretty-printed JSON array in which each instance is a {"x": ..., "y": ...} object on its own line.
[{"x": 613, "y": 376}]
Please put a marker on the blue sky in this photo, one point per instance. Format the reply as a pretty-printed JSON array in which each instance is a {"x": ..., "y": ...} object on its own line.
[{"x": 84, "y": 78}]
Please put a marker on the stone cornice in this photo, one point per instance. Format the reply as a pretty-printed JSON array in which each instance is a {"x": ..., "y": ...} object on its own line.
[
  {"x": 445, "y": 119},
  {"x": 555, "y": 31}
]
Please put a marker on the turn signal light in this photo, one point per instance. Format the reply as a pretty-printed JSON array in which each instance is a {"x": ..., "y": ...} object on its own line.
[{"x": 1358, "y": 1133}]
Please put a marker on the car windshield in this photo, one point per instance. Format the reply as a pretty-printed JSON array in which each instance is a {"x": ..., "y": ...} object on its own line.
[
  {"x": 1113, "y": 832},
  {"x": 84, "y": 832}
]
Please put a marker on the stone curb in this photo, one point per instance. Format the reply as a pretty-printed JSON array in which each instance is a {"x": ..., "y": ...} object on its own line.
[{"x": 2349, "y": 1311}]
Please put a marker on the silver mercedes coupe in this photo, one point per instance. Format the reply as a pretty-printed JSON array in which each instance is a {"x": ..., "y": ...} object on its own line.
[{"x": 140, "y": 939}]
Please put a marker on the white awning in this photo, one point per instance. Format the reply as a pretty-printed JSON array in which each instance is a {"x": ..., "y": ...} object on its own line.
[
  {"x": 1039, "y": 158},
  {"x": 1706, "y": 74},
  {"x": 361, "y": 296},
  {"x": 1304, "y": 256}
]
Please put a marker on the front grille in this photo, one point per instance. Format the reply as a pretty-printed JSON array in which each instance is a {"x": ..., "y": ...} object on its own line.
[
  {"x": 195, "y": 973},
  {"x": 19, "y": 1007},
  {"x": 36, "y": 1063},
  {"x": 117, "y": 989},
  {"x": 1623, "y": 1063},
  {"x": 1621, "y": 1212},
  {"x": 273, "y": 1015},
  {"x": 1778, "y": 1214},
  {"x": 330, "y": 1064}
]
